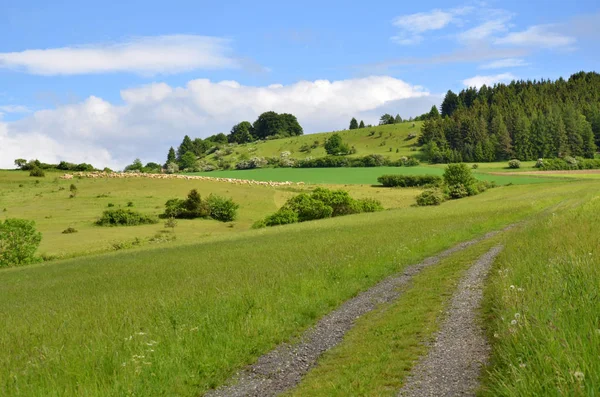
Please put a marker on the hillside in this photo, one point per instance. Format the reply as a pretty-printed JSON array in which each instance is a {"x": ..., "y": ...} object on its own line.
[{"x": 388, "y": 140}]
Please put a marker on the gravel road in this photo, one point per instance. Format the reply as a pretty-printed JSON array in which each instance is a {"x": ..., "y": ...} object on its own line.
[
  {"x": 283, "y": 368},
  {"x": 453, "y": 365}
]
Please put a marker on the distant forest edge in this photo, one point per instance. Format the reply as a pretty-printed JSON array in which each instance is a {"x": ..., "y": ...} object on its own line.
[{"x": 523, "y": 120}]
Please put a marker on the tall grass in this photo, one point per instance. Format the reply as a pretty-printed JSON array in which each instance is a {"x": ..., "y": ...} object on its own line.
[
  {"x": 177, "y": 321},
  {"x": 544, "y": 303}
]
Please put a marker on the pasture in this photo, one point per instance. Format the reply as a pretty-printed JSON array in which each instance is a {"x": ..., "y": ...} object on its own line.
[{"x": 180, "y": 317}]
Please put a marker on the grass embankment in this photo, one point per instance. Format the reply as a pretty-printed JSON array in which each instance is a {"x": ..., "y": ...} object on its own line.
[
  {"x": 46, "y": 201},
  {"x": 357, "y": 175},
  {"x": 544, "y": 307},
  {"x": 177, "y": 321},
  {"x": 373, "y": 140},
  {"x": 378, "y": 353}
]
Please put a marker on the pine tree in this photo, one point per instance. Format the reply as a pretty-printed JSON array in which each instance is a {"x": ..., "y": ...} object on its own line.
[
  {"x": 502, "y": 138},
  {"x": 397, "y": 119},
  {"x": 450, "y": 104},
  {"x": 522, "y": 138},
  {"x": 362, "y": 124},
  {"x": 186, "y": 146},
  {"x": 353, "y": 124},
  {"x": 171, "y": 157}
]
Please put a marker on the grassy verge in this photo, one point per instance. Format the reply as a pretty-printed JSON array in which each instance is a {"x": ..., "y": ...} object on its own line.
[
  {"x": 177, "y": 321},
  {"x": 544, "y": 307},
  {"x": 378, "y": 353}
]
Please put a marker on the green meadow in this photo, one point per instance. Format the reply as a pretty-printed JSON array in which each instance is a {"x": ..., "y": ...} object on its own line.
[{"x": 178, "y": 317}]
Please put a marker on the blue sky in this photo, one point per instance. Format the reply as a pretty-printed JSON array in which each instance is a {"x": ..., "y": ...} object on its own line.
[{"x": 90, "y": 80}]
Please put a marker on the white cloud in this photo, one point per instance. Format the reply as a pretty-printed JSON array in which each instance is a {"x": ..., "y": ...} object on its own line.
[
  {"x": 424, "y": 21},
  {"x": 413, "y": 25},
  {"x": 488, "y": 28},
  {"x": 145, "y": 55},
  {"x": 156, "y": 116},
  {"x": 537, "y": 36},
  {"x": 505, "y": 63},
  {"x": 478, "y": 81},
  {"x": 14, "y": 109}
]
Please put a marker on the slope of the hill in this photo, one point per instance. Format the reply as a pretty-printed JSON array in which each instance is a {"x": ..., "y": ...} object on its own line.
[{"x": 395, "y": 141}]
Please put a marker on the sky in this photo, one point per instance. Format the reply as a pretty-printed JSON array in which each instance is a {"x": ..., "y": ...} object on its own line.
[{"x": 108, "y": 82}]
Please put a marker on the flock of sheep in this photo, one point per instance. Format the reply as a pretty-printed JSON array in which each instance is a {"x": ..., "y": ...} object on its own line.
[{"x": 99, "y": 174}]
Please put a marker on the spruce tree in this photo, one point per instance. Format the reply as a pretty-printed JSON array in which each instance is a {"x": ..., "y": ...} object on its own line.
[
  {"x": 397, "y": 119},
  {"x": 186, "y": 146},
  {"x": 353, "y": 124},
  {"x": 171, "y": 157},
  {"x": 362, "y": 124}
]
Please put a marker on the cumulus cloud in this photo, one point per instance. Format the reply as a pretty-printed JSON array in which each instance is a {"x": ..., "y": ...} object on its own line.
[
  {"x": 505, "y": 63},
  {"x": 156, "y": 116},
  {"x": 537, "y": 36},
  {"x": 478, "y": 81},
  {"x": 144, "y": 55}
]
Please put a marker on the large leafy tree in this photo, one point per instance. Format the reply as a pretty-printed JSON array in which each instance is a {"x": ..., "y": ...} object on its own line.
[{"x": 241, "y": 133}]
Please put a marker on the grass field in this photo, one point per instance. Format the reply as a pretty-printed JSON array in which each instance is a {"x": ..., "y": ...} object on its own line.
[
  {"x": 543, "y": 306},
  {"x": 48, "y": 203},
  {"x": 361, "y": 175},
  {"x": 179, "y": 320},
  {"x": 378, "y": 140}
]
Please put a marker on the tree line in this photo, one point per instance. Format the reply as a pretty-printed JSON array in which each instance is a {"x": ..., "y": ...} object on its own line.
[{"x": 524, "y": 120}]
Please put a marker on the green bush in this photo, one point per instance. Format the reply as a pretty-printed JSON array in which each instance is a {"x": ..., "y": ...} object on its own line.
[
  {"x": 69, "y": 230},
  {"x": 308, "y": 208},
  {"x": 409, "y": 180},
  {"x": 18, "y": 242},
  {"x": 458, "y": 174},
  {"x": 430, "y": 197},
  {"x": 458, "y": 191},
  {"x": 124, "y": 217},
  {"x": 284, "y": 216},
  {"x": 369, "y": 205},
  {"x": 216, "y": 207},
  {"x": 221, "y": 208},
  {"x": 37, "y": 172},
  {"x": 339, "y": 200},
  {"x": 514, "y": 164}
]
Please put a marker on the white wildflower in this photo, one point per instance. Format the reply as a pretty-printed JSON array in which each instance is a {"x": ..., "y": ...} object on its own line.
[
  {"x": 517, "y": 316},
  {"x": 512, "y": 287},
  {"x": 579, "y": 375},
  {"x": 514, "y": 322}
]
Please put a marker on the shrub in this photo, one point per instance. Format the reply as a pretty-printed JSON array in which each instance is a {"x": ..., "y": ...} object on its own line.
[
  {"x": 539, "y": 163},
  {"x": 369, "y": 205},
  {"x": 18, "y": 242},
  {"x": 475, "y": 166},
  {"x": 124, "y": 217},
  {"x": 69, "y": 230},
  {"x": 172, "y": 168},
  {"x": 284, "y": 216},
  {"x": 409, "y": 180},
  {"x": 458, "y": 174},
  {"x": 458, "y": 191},
  {"x": 254, "y": 162},
  {"x": 430, "y": 197},
  {"x": 514, "y": 164},
  {"x": 109, "y": 205},
  {"x": 335, "y": 146},
  {"x": 308, "y": 208},
  {"x": 411, "y": 162},
  {"x": 339, "y": 200},
  {"x": 221, "y": 208},
  {"x": 216, "y": 207},
  {"x": 37, "y": 172}
]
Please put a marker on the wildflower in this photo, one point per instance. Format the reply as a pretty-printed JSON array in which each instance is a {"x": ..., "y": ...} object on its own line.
[
  {"x": 520, "y": 289},
  {"x": 512, "y": 287},
  {"x": 517, "y": 316},
  {"x": 514, "y": 322},
  {"x": 140, "y": 333},
  {"x": 579, "y": 375},
  {"x": 124, "y": 364},
  {"x": 496, "y": 335},
  {"x": 522, "y": 365}
]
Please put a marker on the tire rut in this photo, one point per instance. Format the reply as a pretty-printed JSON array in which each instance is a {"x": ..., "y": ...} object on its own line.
[
  {"x": 460, "y": 350},
  {"x": 283, "y": 368}
]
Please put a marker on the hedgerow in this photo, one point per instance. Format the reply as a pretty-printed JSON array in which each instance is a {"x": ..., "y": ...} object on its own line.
[
  {"x": 125, "y": 217},
  {"x": 409, "y": 180}
]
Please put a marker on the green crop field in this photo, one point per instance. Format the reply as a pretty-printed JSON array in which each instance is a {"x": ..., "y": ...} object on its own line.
[{"x": 367, "y": 175}]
